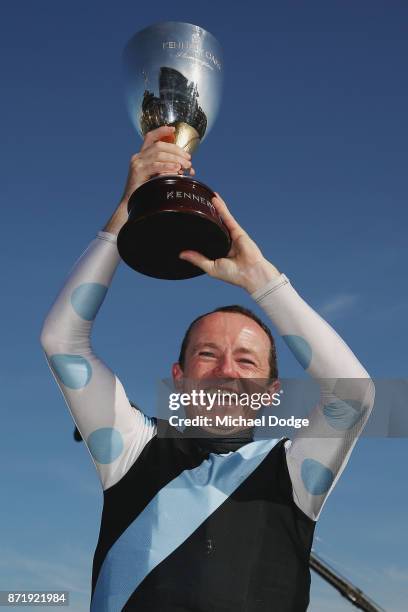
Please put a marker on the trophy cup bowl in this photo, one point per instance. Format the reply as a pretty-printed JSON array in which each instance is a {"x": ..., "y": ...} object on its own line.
[{"x": 173, "y": 76}]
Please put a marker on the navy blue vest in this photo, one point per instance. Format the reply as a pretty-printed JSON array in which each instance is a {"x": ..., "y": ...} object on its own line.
[{"x": 186, "y": 530}]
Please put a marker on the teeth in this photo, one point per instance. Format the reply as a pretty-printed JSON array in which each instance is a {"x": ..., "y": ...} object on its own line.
[
  {"x": 227, "y": 395},
  {"x": 221, "y": 391}
]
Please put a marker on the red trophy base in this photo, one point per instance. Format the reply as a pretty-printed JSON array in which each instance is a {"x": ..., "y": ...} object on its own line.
[{"x": 167, "y": 215}]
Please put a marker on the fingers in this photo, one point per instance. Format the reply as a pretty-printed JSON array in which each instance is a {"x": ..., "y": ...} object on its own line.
[
  {"x": 160, "y": 158},
  {"x": 175, "y": 158},
  {"x": 166, "y": 152},
  {"x": 168, "y": 147},
  {"x": 168, "y": 168},
  {"x": 164, "y": 168},
  {"x": 231, "y": 224},
  {"x": 205, "y": 264},
  {"x": 158, "y": 146},
  {"x": 164, "y": 131},
  {"x": 158, "y": 155}
]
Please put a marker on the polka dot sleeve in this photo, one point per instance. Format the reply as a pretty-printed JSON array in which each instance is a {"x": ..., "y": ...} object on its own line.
[
  {"x": 347, "y": 394},
  {"x": 114, "y": 432}
]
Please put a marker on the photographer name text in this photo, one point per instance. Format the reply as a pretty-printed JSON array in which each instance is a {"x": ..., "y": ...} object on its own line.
[{"x": 238, "y": 421}]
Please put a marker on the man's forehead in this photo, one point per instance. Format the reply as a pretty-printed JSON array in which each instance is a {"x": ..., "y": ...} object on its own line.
[{"x": 232, "y": 326}]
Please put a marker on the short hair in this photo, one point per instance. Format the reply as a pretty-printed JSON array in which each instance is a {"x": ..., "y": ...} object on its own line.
[{"x": 235, "y": 308}]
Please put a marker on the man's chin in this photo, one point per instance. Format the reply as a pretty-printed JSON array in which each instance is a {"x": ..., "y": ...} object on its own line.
[
  {"x": 224, "y": 430},
  {"x": 223, "y": 421}
]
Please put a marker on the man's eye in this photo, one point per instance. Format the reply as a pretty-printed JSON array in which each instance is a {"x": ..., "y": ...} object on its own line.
[
  {"x": 247, "y": 361},
  {"x": 206, "y": 353}
]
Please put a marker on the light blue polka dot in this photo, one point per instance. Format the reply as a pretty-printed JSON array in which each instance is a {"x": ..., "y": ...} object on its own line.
[
  {"x": 316, "y": 477},
  {"x": 300, "y": 348},
  {"x": 342, "y": 415},
  {"x": 87, "y": 299},
  {"x": 73, "y": 370},
  {"x": 105, "y": 444}
]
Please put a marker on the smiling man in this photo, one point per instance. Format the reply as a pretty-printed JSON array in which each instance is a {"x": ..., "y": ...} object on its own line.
[
  {"x": 227, "y": 348},
  {"x": 220, "y": 523}
]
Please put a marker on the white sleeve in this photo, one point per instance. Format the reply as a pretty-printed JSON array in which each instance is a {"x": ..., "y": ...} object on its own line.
[
  {"x": 114, "y": 432},
  {"x": 316, "y": 461}
]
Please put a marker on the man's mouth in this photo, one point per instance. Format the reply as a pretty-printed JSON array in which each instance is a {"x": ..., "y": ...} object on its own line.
[
  {"x": 221, "y": 390},
  {"x": 224, "y": 396}
]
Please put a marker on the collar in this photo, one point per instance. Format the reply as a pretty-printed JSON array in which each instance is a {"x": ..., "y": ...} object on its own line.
[{"x": 213, "y": 443}]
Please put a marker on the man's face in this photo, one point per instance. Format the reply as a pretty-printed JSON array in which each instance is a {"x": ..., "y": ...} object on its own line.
[
  {"x": 227, "y": 345},
  {"x": 224, "y": 347}
]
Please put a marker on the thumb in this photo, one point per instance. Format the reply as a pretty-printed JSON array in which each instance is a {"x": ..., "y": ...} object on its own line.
[{"x": 199, "y": 260}]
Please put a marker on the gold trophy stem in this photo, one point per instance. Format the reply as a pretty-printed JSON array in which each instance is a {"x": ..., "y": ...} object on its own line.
[{"x": 186, "y": 137}]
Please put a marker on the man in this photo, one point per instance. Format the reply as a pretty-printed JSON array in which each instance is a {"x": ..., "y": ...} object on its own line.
[{"x": 223, "y": 524}]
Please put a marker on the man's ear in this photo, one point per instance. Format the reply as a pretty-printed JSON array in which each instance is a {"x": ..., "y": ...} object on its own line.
[
  {"x": 178, "y": 376},
  {"x": 274, "y": 387}
]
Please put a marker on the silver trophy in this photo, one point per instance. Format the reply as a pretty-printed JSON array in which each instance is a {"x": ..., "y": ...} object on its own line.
[{"x": 173, "y": 76}]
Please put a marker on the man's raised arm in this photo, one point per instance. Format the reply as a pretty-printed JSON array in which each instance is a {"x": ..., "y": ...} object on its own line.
[
  {"x": 114, "y": 432},
  {"x": 315, "y": 462},
  {"x": 316, "y": 458}
]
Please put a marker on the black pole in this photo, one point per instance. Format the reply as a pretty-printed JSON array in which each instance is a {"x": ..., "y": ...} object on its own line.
[{"x": 353, "y": 594}]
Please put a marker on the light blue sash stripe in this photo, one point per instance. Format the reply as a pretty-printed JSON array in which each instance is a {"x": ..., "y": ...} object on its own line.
[{"x": 169, "y": 519}]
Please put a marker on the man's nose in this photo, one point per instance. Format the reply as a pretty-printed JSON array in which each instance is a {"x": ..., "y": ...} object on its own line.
[{"x": 226, "y": 367}]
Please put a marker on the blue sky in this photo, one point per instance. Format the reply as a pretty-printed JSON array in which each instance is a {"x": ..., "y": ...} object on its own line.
[{"x": 309, "y": 151}]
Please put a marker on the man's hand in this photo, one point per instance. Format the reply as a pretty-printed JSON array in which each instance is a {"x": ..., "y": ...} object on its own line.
[
  {"x": 244, "y": 265},
  {"x": 158, "y": 155}
]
